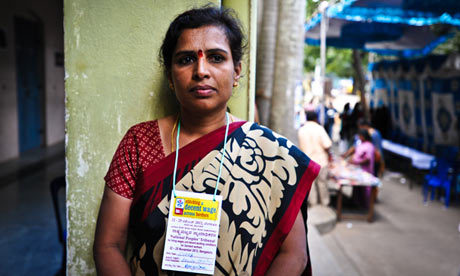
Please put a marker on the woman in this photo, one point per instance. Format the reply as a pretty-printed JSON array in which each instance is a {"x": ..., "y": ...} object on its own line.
[
  {"x": 363, "y": 156},
  {"x": 263, "y": 180},
  {"x": 364, "y": 152}
]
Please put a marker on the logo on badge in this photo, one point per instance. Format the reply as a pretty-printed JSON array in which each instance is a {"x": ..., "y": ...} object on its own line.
[{"x": 179, "y": 210}]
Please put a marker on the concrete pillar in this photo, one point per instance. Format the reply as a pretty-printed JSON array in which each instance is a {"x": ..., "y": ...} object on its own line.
[
  {"x": 266, "y": 59},
  {"x": 288, "y": 66},
  {"x": 113, "y": 80},
  {"x": 242, "y": 101}
]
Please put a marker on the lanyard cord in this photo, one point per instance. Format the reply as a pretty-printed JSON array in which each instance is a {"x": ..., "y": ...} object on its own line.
[{"x": 221, "y": 159}]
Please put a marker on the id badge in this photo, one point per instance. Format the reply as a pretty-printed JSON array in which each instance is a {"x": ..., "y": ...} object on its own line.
[{"x": 192, "y": 233}]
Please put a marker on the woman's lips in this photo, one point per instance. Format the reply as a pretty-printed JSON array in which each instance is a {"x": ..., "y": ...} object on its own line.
[{"x": 203, "y": 91}]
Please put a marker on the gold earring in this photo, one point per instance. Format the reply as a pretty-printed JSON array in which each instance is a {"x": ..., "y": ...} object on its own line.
[{"x": 235, "y": 84}]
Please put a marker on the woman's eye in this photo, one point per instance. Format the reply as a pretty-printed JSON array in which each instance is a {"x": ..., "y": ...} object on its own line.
[
  {"x": 216, "y": 58},
  {"x": 186, "y": 60}
]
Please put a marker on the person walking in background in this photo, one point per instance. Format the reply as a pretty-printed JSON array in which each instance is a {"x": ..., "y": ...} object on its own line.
[
  {"x": 345, "y": 130},
  {"x": 356, "y": 115},
  {"x": 315, "y": 142},
  {"x": 330, "y": 118}
]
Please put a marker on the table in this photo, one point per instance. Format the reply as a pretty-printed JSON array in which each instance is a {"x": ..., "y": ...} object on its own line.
[
  {"x": 346, "y": 174},
  {"x": 418, "y": 159}
]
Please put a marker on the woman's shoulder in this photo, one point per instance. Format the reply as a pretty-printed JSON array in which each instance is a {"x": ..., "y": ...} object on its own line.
[
  {"x": 143, "y": 127},
  {"x": 369, "y": 145},
  {"x": 145, "y": 136}
]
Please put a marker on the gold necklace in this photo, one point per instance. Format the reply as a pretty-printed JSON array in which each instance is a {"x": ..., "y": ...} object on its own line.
[{"x": 172, "y": 133}]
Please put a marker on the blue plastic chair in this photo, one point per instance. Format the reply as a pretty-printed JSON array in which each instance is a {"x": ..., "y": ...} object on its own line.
[
  {"x": 448, "y": 153},
  {"x": 438, "y": 177}
]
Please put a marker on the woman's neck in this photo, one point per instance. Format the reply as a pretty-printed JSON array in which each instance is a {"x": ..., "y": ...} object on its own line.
[{"x": 199, "y": 125}]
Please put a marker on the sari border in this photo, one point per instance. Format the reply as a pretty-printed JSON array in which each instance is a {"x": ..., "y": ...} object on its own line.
[
  {"x": 285, "y": 225},
  {"x": 193, "y": 151}
]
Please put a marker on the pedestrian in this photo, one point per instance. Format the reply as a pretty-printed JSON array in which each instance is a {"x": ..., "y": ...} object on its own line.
[
  {"x": 345, "y": 129},
  {"x": 260, "y": 179},
  {"x": 315, "y": 143},
  {"x": 355, "y": 116},
  {"x": 330, "y": 119}
]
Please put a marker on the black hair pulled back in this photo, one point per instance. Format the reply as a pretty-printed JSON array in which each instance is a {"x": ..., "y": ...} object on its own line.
[
  {"x": 365, "y": 134},
  {"x": 208, "y": 15}
]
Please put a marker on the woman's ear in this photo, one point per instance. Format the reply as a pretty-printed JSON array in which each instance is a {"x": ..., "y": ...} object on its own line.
[
  {"x": 170, "y": 82},
  {"x": 237, "y": 75}
]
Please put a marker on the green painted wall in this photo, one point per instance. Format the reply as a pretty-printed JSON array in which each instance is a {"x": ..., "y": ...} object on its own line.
[
  {"x": 113, "y": 80},
  {"x": 242, "y": 101}
]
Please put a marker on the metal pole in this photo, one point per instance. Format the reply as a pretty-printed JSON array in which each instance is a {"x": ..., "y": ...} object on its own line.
[
  {"x": 323, "y": 44},
  {"x": 323, "y": 30}
]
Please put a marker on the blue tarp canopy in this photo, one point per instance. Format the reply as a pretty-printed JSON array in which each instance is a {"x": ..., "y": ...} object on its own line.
[{"x": 388, "y": 27}]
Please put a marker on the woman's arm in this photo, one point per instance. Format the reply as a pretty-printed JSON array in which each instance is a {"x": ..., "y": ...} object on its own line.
[
  {"x": 349, "y": 152},
  {"x": 292, "y": 257},
  {"x": 111, "y": 234},
  {"x": 361, "y": 161}
]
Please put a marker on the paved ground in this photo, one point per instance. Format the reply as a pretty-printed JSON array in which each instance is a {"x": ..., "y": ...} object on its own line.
[
  {"x": 406, "y": 238},
  {"x": 29, "y": 242}
]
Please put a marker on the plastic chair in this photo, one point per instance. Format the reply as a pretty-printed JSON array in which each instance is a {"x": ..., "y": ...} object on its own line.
[
  {"x": 438, "y": 177},
  {"x": 55, "y": 185},
  {"x": 448, "y": 153},
  {"x": 457, "y": 188}
]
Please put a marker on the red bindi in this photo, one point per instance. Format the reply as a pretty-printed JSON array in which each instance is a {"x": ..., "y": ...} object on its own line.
[{"x": 200, "y": 53}]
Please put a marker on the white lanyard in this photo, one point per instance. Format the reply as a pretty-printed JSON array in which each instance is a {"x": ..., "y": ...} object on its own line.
[
  {"x": 192, "y": 230},
  {"x": 221, "y": 159}
]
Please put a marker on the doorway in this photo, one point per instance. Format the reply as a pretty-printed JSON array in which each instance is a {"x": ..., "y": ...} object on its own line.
[{"x": 29, "y": 77}]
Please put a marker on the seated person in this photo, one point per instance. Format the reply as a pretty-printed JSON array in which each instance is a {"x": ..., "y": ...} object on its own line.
[
  {"x": 376, "y": 139},
  {"x": 363, "y": 155},
  {"x": 364, "y": 152}
]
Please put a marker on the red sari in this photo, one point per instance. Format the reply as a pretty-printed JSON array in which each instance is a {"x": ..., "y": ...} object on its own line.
[{"x": 265, "y": 182}]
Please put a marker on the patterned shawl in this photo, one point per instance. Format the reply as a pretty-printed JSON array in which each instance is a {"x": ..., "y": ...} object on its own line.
[{"x": 265, "y": 181}]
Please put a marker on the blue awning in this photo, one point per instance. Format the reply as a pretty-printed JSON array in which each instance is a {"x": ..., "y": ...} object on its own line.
[{"x": 387, "y": 27}]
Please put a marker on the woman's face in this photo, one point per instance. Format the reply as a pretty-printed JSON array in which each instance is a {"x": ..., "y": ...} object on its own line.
[{"x": 202, "y": 70}]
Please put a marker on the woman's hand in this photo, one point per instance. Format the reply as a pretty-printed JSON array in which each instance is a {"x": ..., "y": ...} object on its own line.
[
  {"x": 292, "y": 257},
  {"x": 111, "y": 235}
]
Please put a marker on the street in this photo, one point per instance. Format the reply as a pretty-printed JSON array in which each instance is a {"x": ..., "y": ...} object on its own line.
[{"x": 407, "y": 237}]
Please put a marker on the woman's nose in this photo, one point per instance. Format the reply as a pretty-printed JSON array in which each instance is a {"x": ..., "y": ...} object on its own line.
[{"x": 201, "y": 70}]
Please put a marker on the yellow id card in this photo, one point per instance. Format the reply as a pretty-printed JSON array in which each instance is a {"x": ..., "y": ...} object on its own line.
[
  {"x": 192, "y": 233},
  {"x": 190, "y": 207}
]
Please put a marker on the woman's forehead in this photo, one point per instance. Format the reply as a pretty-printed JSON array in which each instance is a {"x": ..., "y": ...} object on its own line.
[{"x": 203, "y": 38}]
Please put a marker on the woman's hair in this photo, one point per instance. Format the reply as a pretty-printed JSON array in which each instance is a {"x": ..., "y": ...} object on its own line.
[
  {"x": 365, "y": 134},
  {"x": 206, "y": 16},
  {"x": 311, "y": 116}
]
